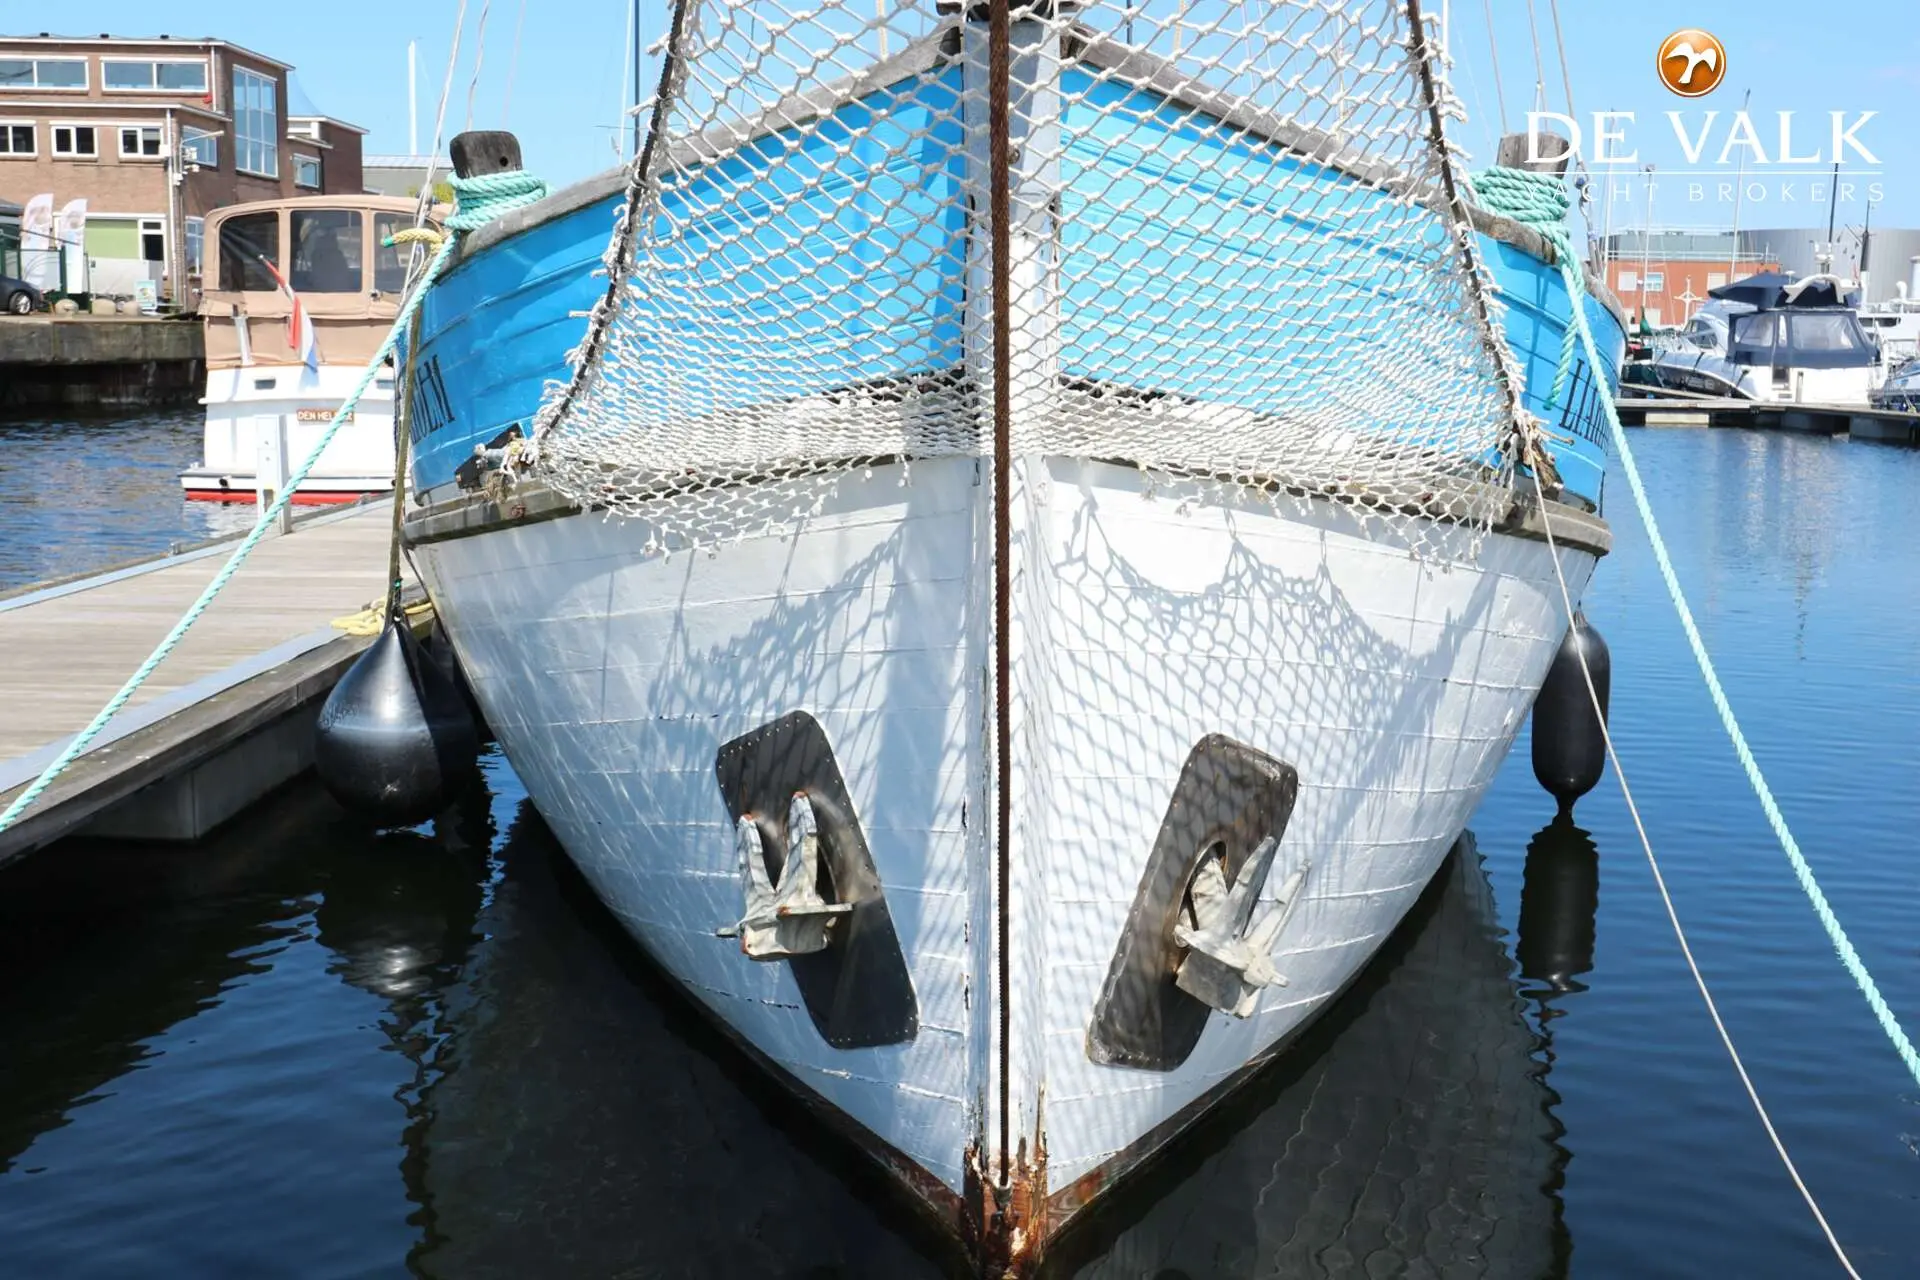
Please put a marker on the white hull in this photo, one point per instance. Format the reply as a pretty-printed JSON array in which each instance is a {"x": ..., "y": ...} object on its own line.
[
  {"x": 246, "y": 405},
  {"x": 1141, "y": 624}
]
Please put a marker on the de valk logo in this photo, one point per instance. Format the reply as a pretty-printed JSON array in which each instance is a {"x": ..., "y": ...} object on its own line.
[{"x": 1692, "y": 62}]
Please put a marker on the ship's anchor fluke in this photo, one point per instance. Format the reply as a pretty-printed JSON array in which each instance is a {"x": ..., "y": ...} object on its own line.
[
  {"x": 1229, "y": 958},
  {"x": 791, "y": 918}
]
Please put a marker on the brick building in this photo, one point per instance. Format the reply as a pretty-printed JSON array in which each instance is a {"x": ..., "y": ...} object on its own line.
[
  {"x": 1666, "y": 275},
  {"x": 153, "y": 134}
]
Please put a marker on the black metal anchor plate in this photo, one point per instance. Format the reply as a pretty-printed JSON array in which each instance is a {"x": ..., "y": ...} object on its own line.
[{"x": 858, "y": 990}]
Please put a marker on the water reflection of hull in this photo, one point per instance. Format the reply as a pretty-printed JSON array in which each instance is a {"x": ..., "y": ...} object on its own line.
[
  {"x": 583, "y": 1119},
  {"x": 1406, "y": 1133}
]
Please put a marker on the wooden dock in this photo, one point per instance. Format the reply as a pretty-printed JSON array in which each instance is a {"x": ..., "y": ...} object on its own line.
[
  {"x": 227, "y": 717},
  {"x": 1679, "y": 410}
]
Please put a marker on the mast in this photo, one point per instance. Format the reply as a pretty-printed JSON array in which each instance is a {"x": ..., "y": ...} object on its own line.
[
  {"x": 1833, "y": 210},
  {"x": 1739, "y": 189},
  {"x": 1646, "y": 250},
  {"x": 1866, "y": 244}
]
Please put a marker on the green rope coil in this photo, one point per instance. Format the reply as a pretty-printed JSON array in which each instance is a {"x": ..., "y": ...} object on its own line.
[
  {"x": 1539, "y": 201},
  {"x": 478, "y": 201}
]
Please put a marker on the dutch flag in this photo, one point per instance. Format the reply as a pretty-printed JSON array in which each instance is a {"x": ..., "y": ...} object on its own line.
[{"x": 300, "y": 334}]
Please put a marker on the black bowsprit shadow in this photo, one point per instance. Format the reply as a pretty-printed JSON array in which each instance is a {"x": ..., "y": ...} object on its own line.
[
  {"x": 858, "y": 991},
  {"x": 1559, "y": 897},
  {"x": 1230, "y": 797}
]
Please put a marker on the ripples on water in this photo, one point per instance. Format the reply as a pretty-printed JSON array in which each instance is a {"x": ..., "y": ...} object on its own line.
[
  {"x": 303, "y": 1051},
  {"x": 83, "y": 493}
]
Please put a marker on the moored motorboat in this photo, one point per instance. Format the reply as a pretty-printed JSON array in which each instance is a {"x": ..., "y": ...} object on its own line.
[
  {"x": 1017, "y": 570},
  {"x": 1774, "y": 339},
  {"x": 299, "y": 295}
]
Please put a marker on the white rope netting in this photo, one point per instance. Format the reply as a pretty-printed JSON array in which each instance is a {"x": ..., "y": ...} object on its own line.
[{"x": 1234, "y": 253}]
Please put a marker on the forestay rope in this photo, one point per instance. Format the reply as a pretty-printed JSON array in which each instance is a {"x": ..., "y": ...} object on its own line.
[
  {"x": 479, "y": 200},
  {"x": 1540, "y": 202}
]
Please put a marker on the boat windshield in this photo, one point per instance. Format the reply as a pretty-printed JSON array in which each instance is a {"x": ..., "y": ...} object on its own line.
[
  {"x": 248, "y": 242},
  {"x": 1818, "y": 338},
  {"x": 326, "y": 250},
  {"x": 1708, "y": 333}
]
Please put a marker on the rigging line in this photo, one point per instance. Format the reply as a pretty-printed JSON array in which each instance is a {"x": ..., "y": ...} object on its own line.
[
  {"x": 440, "y": 118},
  {"x": 1539, "y": 64},
  {"x": 1666, "y": 898},
  {"x": 513, "y": 65},
  {"x": 1560, "y": 46},
  {"x": 479, "y": 57},
  {"x": 1493, "y": 43}
]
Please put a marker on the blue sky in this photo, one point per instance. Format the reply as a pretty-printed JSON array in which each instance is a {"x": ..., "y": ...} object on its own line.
[
  {"x": 1800, "y": 56},
  {"x": 566, "y": 81}
]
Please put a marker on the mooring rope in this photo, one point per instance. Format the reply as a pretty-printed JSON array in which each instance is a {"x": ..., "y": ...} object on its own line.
[
  {"x": 478, "y": 201},
  {"x": 1540, "y": 202}
]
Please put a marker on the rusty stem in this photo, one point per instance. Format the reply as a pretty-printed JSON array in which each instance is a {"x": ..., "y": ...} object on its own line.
[{"x": 999, "y": 72}]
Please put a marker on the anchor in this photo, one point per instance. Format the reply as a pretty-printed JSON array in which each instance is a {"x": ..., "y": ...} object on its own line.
[
  {"x": 791, "y": 918},
  {"x": 1229, "y": 958}
]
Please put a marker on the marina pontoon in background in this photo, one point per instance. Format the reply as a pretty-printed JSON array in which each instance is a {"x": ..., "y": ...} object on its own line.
[{"x": 1015, "y": 563}]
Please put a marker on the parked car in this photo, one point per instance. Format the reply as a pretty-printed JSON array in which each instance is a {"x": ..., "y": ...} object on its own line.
[{"x": 19, "y": 298}]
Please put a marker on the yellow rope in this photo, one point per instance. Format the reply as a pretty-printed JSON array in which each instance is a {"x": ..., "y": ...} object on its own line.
[
  {"x": 429, "y": 236},
  {"x": 370, "y": 620}
]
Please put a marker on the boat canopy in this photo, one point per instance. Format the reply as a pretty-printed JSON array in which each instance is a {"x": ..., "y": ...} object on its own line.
[
  {"x": 1761, "y": 290},
  {"x": 1802, "y": 338},
  {"x": 330, "y": 251},
  {"x": 1776, "y": 289}
]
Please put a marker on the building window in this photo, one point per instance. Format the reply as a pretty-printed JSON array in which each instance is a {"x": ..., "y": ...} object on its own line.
[
  {"x": 1629, "y": 280},
  {"x": 306, "y": 171},
  {"x": 140, "y": 141},
  {"x": 326, "y": 251},
  {"x": 256, "y": 124},
  {"x": 244, "y": 242},
  {"x": 201, "y": 146},
  {"x": 196, "y": 244},
  {"x": 153, "y": 240},
  {"x": 1715, "y": 279},
  {"x": 43, "y": 73},
  {"x": 148, "y": 75},
  {"x": 17, "y": 138},
  {"x": 1656, "y": 281},
  {"x": 75, "y": 140}
]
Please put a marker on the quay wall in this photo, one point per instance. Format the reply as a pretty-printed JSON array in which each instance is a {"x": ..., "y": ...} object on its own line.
[{"x": 100, "y": 362}]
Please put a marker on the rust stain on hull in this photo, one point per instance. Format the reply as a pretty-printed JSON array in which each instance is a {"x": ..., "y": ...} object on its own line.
[{"x": 1007, "y": 1225}]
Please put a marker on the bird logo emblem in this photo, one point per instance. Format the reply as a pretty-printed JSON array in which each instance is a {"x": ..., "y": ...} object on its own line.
[{"x": 1692, "y": 62}]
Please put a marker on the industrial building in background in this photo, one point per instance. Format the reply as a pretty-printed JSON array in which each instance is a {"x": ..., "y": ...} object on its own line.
[
  {"x": 133, "y": 141},
  {"x": 1666, "y": 275}
]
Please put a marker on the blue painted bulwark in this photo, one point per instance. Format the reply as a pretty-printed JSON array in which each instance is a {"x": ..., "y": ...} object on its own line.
[
  {"x": 1538, "y": 313},
  {"x": 1158, "y": 244}
]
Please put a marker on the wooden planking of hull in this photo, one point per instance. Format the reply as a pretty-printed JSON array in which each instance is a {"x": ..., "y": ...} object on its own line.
[{"x": 1144, "y": 627}]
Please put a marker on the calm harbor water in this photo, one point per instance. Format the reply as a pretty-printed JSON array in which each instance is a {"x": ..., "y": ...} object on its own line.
[
  {"x": 305, "y": 1051},
  {"x": 84, "y": 492}
]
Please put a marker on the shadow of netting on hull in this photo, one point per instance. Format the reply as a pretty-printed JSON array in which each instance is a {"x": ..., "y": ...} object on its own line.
[{"x": 1231, "y": 254}]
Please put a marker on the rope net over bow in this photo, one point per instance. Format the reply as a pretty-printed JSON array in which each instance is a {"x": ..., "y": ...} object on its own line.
[{"x": 1236, "y": 252}]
